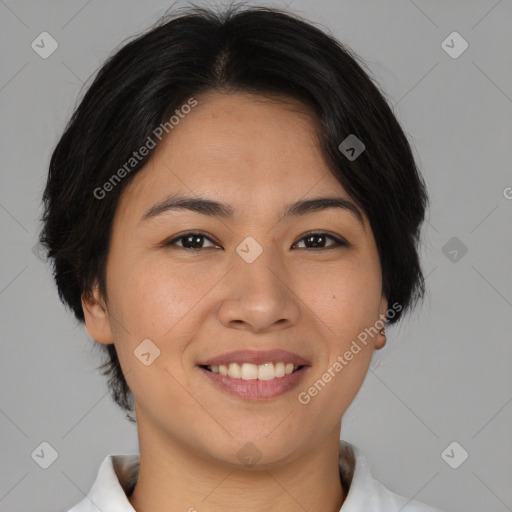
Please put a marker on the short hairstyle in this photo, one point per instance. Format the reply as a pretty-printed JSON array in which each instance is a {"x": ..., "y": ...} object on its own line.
[{"x": 259, "y": 50}]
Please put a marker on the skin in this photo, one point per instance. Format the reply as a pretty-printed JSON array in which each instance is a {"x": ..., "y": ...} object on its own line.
[{"x": 257, "y": 155}]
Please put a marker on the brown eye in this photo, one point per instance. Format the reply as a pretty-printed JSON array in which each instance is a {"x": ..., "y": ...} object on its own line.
[
  {"x": 191, "y": 240},
  {"x": 318, "y": 241}
]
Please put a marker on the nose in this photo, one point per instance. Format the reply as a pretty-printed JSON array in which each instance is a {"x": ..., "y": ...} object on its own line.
[{"x": 260, "y": 296}]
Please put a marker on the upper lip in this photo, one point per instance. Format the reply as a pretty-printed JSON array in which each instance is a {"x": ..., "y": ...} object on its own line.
[{"x": 256, "y": 357}]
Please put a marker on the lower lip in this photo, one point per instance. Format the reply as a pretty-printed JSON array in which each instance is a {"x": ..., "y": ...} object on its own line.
[{"x": 257, "y": 389}]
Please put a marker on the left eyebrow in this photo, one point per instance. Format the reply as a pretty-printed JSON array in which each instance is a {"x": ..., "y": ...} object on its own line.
[
  {"x": 323, "y": 203},
  {"x": 215, "y": 209}
]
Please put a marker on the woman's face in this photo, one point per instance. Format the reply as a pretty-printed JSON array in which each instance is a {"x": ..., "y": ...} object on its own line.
[{"x": 257, "y": 281}]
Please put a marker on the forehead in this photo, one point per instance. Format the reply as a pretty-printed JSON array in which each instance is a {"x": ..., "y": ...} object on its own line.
[{"x": 246, "y": 149}]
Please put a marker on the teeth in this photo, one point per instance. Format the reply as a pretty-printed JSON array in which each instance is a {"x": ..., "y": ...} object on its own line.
[
  {"x": 235, "y": 372},
  {"x": 265, "y": 371},
  {"x": 249, "y": 371},
  {"x": 280, "y": 369}
]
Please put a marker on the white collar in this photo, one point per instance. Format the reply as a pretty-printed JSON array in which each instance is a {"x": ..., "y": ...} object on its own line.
[{"x": 118, "y": 474}]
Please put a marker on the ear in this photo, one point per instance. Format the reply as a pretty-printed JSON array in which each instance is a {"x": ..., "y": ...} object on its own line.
[
  {"x": 380, "y": 340},
  {"x": 97, "y": 319}
]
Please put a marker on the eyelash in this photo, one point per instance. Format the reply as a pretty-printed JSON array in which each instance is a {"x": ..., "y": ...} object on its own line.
[{"x": 338, "y": 241}]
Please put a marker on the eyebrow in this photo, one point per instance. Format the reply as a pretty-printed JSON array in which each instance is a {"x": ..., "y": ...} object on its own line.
[{"x": 215, "y": 209}]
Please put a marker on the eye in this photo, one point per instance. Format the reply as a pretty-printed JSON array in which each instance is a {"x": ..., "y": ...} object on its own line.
[
  {"x": 194, "y": 240},
  {"x": 317, "y": 240},
  {"x": 191, "y": 240}
]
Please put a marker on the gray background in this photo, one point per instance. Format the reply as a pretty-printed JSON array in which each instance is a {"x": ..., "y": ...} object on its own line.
[{"x": 444, "y": 375}]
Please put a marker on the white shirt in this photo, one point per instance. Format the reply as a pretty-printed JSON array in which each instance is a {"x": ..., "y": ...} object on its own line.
[{"x": 118, "y": 474}]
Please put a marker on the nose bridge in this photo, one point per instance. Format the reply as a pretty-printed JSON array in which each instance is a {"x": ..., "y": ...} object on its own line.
[
  {"x": 260, "y": 266},
  {"x": 260, "y": 295}
]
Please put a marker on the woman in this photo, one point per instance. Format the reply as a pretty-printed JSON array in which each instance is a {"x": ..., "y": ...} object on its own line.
[{"x": 234, "y": 212}]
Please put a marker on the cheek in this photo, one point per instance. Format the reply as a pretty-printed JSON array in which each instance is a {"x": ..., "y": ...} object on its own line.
[
  {"x": 345, "y": 296},
  {"x": 159, "y": 302},
  {"x": 156, "y": 297},
  {"x": 345, "y": 301}
]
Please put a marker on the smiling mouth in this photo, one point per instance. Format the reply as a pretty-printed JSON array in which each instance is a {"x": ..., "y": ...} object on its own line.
[{"x": 249, "y": 371}]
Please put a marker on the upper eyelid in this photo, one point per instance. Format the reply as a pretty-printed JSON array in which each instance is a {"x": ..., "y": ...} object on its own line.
[
  {"x": 187, "y": 233},
  {"x": 338, "y": 239}
]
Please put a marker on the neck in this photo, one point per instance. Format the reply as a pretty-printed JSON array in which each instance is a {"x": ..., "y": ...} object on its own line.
[{"x": 173, "y": 476}]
